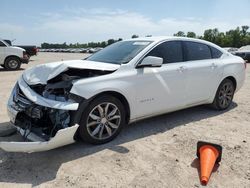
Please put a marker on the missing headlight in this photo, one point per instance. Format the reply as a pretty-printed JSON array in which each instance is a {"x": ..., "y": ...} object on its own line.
[
  {"x": 34, "y": 111},
  {"x": 43, "y": 121}
]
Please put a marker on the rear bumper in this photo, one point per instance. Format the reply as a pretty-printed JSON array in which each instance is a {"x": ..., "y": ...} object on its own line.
[{"x": 62, "y": 137}]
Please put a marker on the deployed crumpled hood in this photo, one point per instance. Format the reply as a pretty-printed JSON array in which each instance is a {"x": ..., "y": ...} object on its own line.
[{"x": 40, "y": 74}]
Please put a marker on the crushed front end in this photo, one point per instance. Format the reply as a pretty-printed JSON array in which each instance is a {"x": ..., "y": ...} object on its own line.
[
  {"x": 42, "y": 108},
  {"x": 43, "y": 114}
]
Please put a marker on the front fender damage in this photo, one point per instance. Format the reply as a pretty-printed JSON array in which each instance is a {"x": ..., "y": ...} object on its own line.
[
  {"x": 43, "y": 109},
  {"x": 42, "y": 124}
]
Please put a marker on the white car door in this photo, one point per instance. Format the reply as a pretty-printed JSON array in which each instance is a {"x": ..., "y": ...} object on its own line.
[
  {"x": 2, "y": 52},
  {"x": 161, "y": 89},
  {"x": 202, "y": 72}
]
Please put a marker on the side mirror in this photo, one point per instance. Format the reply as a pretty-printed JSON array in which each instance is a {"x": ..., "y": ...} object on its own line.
[{"x": 151, "y": 61}]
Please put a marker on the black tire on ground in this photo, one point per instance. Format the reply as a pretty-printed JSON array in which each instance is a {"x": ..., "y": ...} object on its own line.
[
  {"x": 12, "y": 63},
  {"x": 224, "y": 95},
  {"x": 100, "y": 124}
]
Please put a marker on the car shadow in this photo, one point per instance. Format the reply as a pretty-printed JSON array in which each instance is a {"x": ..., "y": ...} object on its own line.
[
  {"x": 30, "y": 168},
  {"x": 4, "y": 70}
]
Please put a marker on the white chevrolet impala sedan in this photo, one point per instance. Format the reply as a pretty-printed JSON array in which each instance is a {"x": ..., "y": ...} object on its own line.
[{"x": 93, "y": 98}]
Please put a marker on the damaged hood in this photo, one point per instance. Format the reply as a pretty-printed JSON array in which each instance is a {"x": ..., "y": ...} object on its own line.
[{"x": 40, "y": 74}]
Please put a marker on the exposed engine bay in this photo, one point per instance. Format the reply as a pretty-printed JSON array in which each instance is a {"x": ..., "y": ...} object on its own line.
[
  {"x": 44, "y": 121},
  {"x": 58, "y": 88}
]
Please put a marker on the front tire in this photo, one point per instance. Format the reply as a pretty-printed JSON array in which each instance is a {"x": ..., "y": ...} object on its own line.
[
  {"x": 12, "y": 63},
  {"x": 102, "y": 120},
  {"x": 224, "y": 95}
]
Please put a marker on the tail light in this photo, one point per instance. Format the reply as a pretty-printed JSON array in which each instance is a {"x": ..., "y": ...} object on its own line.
[{"x": 35, "y": 50}]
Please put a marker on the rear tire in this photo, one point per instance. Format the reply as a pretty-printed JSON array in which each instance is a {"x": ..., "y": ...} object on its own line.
[
  {"x": 102, "y": 120},
  {"x": 224, "y": 95},
  {"x": 12, "y": 63}
]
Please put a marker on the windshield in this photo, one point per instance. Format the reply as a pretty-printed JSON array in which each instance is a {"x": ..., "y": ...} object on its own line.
[{"x": 119, "y": 52}]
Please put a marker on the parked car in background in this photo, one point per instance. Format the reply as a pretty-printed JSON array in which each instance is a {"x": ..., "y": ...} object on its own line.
[
  {"x": 72, "y": 50},
  {"x": 231, "y": 49},
  {"x": 94, "y": 50},
  {"x": 83, "y": 50},
  {"x": 244, "y": 52},
  {"x": 125, "y": 82},
  {"x": 31, "y": 50},
  {"x": 11, "y": 57}
]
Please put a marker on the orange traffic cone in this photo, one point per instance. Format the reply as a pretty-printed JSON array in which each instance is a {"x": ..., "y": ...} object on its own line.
[{"x": 209, "y": 154}]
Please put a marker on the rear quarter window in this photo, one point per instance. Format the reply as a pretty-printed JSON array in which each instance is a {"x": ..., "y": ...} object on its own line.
[{"x": 215, "y": 53}]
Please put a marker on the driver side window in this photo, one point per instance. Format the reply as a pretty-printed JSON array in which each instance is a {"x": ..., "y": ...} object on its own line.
[{"x": 170, "y": 51}]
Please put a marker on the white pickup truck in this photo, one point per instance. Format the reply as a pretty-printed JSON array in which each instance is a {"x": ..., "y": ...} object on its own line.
[{"x": 12, "y": 57}]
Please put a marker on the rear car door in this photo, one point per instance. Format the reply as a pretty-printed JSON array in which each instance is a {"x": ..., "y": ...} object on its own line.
[
  {"x": 162, "y": 89},
  {"x": 202, "y": 72}
]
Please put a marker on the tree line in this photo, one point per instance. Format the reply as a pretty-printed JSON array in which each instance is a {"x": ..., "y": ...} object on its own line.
[{"x": 233, "y": 38}]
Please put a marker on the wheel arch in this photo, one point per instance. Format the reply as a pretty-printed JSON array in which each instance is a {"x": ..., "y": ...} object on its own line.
[
  {"x": 215, "y": 104},
  {"x": 120, "y": 97},
  {"x": 12, "y": 56},
  {"x": 232, "y": 79}
]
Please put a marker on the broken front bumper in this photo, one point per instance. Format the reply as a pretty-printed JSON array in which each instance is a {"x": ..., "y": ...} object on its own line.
[{"x": 62, "y": 137}]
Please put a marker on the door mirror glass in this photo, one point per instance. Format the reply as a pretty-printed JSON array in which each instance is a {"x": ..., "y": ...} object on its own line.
[{"x": 151, "y": 61}]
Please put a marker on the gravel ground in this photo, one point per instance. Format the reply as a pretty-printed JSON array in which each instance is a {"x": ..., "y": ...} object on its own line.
[{"x": 157, "y": 152}]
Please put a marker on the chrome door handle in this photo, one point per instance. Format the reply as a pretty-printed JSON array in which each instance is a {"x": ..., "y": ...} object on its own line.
[{"x": 182, "y": 69}]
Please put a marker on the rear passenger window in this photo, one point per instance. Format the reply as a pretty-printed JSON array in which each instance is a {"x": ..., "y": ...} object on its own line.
[
  {"x": 215, "y": 53},
  {"x": 170, "y": 51},
  {"x": 197, "y": 51}
]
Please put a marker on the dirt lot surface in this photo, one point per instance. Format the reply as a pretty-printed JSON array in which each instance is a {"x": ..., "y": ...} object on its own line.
[{"x": 157, "y": 152}]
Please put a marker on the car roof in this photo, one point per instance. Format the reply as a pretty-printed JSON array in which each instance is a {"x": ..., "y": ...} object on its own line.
[
  {"x": 157, "y": 39},
  {"x": 165, "y": 38}
]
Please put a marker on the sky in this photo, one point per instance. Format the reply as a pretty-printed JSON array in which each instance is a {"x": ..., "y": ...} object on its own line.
[{"x": 71, "y": 21}]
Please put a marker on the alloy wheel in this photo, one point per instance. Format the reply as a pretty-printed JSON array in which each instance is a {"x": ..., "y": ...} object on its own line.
[
  {"x": 13, "y": 64},
  {"x": 103, "y": 120},
  {"x": 226, "y": 94}
]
